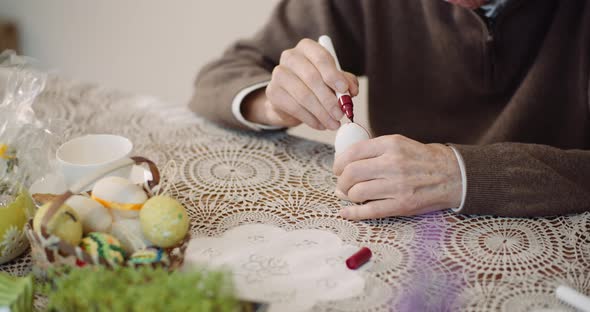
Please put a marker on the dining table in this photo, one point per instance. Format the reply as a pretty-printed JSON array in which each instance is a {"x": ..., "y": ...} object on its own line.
[{"x": 227, "y": 178}]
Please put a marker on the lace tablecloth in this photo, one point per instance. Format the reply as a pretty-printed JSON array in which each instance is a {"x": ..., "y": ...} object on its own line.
[{"x": 436, "y": 262}]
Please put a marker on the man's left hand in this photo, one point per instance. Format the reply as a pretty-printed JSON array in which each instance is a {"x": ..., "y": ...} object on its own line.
[{"x": 395, "y": 176}]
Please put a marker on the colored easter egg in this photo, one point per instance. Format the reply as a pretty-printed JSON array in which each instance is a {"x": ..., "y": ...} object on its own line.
[
  {"x": 164, "y": 221},
  {"x": 119, "y": 193},
  {"x": 103, "y": 246},
  {"x": 149, "y": 256}
]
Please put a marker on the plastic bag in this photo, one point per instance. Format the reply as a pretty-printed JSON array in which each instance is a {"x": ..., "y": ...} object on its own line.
[{"x": 25, "y": 145}]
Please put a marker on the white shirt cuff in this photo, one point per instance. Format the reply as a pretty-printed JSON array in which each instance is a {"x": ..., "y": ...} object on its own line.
[
  {"x": 236, "y": 108},
  {"x": 463, "y": 178}
]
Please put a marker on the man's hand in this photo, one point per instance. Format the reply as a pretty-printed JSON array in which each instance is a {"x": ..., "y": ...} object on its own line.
[
  {"x": 396, "y": 176},
  {"x": 301, "y": 90}
]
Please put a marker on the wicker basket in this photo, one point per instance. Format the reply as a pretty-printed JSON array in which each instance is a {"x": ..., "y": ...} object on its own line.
[{"x": 50, "y": 251}]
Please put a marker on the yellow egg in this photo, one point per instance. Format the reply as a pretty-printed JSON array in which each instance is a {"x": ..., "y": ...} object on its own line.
[
  {"x": 164, "y": 221},
  {"x": 64, "y": 224},
  {"x": 119, "y": 193},
  {"x": 94, "y": 216}
]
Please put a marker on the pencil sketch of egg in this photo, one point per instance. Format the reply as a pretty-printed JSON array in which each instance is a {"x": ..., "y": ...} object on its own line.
[{"x": 347, "y": 135}]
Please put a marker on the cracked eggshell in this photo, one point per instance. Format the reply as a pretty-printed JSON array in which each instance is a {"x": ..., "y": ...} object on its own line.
[
  {"x": 349, "y": 134},
  {"x": 94, "y": 216},
  {"x": 121, "y": 195}
]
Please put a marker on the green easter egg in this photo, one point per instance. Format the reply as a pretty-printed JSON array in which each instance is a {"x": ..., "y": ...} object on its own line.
[
  {"x": 164, "y": 221},
  {"x": 149, "y": 256},
  {"x": 105, "y": 246},
  {"x": 65, "y": 224}
]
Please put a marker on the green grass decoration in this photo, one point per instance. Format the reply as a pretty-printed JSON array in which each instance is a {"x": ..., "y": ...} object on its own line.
[
  {"x": 128, "y": 289},
  {"x": 16, "y": 293}
]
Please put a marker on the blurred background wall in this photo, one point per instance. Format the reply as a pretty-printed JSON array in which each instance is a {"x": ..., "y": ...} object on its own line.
[{"x": 148, "y": 47}]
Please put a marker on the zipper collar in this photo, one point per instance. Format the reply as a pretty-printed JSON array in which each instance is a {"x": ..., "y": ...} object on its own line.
[{"x": 491, "y": 24}]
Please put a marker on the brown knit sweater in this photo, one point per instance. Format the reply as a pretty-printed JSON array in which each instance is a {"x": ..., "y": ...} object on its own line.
[{"x": 512, "y": 97}]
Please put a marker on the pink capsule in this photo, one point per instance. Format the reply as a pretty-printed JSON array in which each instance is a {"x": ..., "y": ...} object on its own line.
[{"x": 359, "y": 258}]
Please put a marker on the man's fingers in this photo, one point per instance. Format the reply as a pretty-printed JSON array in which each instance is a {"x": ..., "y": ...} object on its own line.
[
  {"x": 369, "y": 190},
  {"x": 404, "y": 205},
  {"x": 281, "y": 100},
  {"x": 310, "y": 75},
  {"x": 371, "y": 210},
  {"x": 340, "y": 195},
  {"x": 303, "y": 96},
  {"x": 358, "y": 151},
  {"x": 357, "y": 172},
  {"x": 324, "y": 62},
  {"x": 315, "y": 67},
  {"x": 275, "y": 116},
  {"x": 353, "y": 82}
]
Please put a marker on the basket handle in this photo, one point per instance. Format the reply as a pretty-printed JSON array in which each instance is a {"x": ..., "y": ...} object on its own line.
[{"x": 83, "y": 183}]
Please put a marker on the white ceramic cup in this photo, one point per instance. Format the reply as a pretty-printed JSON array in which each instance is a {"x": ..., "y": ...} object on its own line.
[{"x": 84, "y": 155}]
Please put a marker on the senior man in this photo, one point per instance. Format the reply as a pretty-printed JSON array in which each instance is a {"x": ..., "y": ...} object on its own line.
[{"x": 479, "y": 106}]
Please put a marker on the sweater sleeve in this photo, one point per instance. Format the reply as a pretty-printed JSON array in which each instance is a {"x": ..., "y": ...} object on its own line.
[
  {"x": 251, "y": 61},
  {"x": 515, "y": 179}
]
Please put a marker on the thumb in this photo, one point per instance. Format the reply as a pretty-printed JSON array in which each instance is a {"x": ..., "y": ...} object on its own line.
[{"x": 277, "y": 117}]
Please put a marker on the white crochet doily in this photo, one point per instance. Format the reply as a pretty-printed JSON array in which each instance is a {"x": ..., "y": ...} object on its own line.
[
  {"x": 290, "y": 270},
  {"x": 226, "y": 178}
]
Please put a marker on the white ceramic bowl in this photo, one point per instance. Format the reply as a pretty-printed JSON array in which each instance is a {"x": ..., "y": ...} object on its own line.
[{"x": 84, "y": 155}]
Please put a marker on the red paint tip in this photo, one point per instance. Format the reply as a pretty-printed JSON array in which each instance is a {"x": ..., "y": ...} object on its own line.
[
  {"x": 346, "y": 105},
  {"x": 359, "y": 258}
]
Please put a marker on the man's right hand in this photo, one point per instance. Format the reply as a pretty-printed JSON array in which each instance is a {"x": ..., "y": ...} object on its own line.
[{"x": 301, "y": 90}]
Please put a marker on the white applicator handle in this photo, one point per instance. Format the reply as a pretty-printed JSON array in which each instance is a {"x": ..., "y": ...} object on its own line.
[
  {"x": 326, "y": 42},
  {"x": 572, "y": 297}
]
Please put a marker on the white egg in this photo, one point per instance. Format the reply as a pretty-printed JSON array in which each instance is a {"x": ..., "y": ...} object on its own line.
[
  {"x": 347, "y": 135},
  {"x": 129, "y": 233},
  {"x": 94, "y": 216},
  {"x": 119, "y": 193},
  {"x": 124, "y": 214}
]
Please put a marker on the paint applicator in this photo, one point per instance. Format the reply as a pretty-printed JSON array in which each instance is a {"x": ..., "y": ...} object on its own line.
[
  {"x": 349, "y": 133},
  {"x": 344, "y": 99}
]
